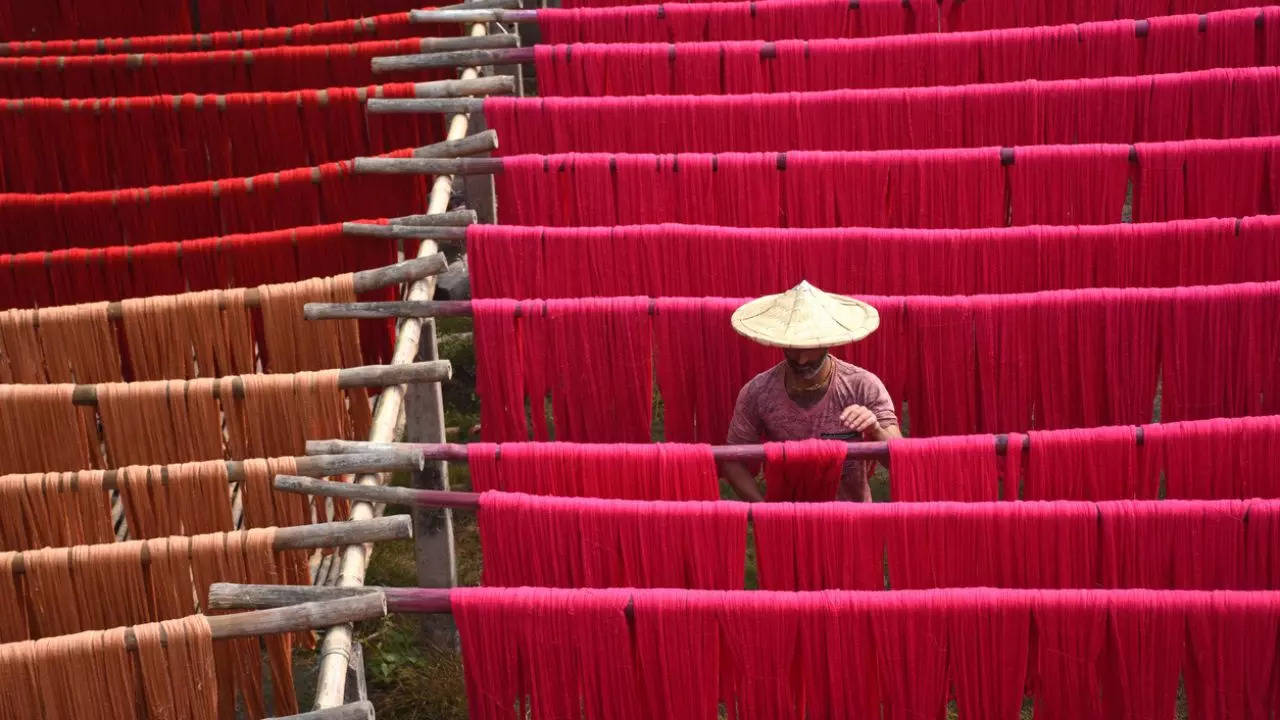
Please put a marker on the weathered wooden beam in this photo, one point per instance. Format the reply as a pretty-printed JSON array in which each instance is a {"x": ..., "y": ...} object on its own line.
[
  {"x": 307, "y": 616},
  {"x": 433, "y": 166},
  {"x": 466, "y": 42},
  {"x": 454, "y": 58},
  {"x": 487, "y": 85},
  {"x": 467, "y": 15},
  {"x": 365, "y": 376},
  {"x": 237, "y": 596},
  {"x": 360, "y": 710},
  {"x": 323, "y": 465},
  {"x": 482, "y": 5},
  {"x": 384, "y": 106},
  {"x": 318, "y": 535},
  {"x": 391, "y": 309},
  {"x": 413, "y": 497},
  {"x": 426, "y": 232},
  {"x": 477, "y": 144},
  {"x": 453, "y": 217}
]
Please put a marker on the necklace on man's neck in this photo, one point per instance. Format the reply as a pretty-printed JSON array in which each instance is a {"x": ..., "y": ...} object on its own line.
[{"x": 796, "y": 386}]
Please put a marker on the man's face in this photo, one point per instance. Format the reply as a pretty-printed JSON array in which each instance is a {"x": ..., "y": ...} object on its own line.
[{"x": 805, "y": 364}]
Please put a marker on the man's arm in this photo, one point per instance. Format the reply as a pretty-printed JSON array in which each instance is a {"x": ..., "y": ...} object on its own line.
[{"x": 742, "y": 481}]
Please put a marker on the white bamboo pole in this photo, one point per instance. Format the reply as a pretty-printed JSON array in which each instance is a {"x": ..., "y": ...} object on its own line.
[{"x": 335, "y": 651}]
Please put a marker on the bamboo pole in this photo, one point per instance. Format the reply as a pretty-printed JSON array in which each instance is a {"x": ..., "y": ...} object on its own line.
[
  {"x": 325, "y": 465},
  {"x": 378, "y": 493},
  {"x": 466, "y": 42},
  {"x": 238, "y": 596},
  {"x": 481, "y": 5},
  {"x": 396, "y": 309},
  {"x": 454, "y": 452},
  {"x": 430, "y": 166},
  {"x": 363, "y": 280},
  {"x": 467, "y": 15},
  {"x": 311, "y": 537},
  {"x": 307, "y": 616},
  {"x": 453, "y": 217},
  {"x": 478, "y": 144},
  {"x": 365, "y": 376},
  {"x": 420, "y": 232},
  {"x": 489, "y": 85},
  {"x": 453, "y": 58},
  {"x": 386, "y": 106},
  {"x": 362, "y": 710},
  {"x": 335, "y": 649}
]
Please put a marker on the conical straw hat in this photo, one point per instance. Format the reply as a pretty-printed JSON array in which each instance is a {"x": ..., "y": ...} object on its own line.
[{"x": 805, "y": 317}]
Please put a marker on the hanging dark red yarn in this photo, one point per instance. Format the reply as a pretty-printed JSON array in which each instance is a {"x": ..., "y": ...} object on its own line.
[
  {"x": 510, "y": 261},
  {"x": 122, "y": 18},
  {"x": 1217, "y": 103},
  {"x": 563, "y": 653},
  {"x": 637, "y": 472},
  {"x": 1058, "y": 52},
  {"x": 803, "y": 470},
  {"x": 1092, "y": 464},
  {"x": 775, "y": 190},
  {"x": 1216, "y": 458},
  {"x": 215, "y": 71},
  {"x": 197, "y": 137},
  {"x": 588, "y": 542},
  {"x": 136, "y": 216},
  {"x": 385, "y": 26}
]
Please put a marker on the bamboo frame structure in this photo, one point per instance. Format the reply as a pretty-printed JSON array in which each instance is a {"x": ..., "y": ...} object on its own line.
[
  {"x": 336, "y": 648},
  {"x": 365, "y": 376},
  {"x": 316, "y": 535},
  {"x": 488, "y": 85}
]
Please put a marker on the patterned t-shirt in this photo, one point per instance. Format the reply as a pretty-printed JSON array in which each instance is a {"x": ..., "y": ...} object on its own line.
[{"x": 765, "y": 412}]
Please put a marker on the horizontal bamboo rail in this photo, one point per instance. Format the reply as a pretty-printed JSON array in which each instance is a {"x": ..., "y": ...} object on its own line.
[
  {"x": 390, "y": 309},
  {"x": 489, "y": 85},
  {"x": 378, "y": 493},
  {"x": 326, "y": 465},
  {"x": 234, "y": 596},
  {"x": 362, "y": 710},
  {"x": 412, "y": 232},
  {"x": 454, "y": 218},
  {"x": 387, "y": 106},
  {"x": 462, "y": 42},
  {"x": 481, "y": 5},
  {"x": 307, "y": 616},
  {"x": 459, "y": 58},
  {"x": 318, "y": 535},
  {"x": 454, "y": 452},
  {"x": 469, "y": 15},
  {"x": 365, "y": 376},
  {"x": 481, "y": 142}
]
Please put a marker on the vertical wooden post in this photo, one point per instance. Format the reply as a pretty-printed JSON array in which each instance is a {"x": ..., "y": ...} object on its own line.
[
  {"x": 432, "y": 527},
  {"x": 479, "y": 189},
  {"x": 357, "y": 689}
]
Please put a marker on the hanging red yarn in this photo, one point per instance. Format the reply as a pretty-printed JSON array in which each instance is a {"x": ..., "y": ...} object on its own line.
[
  {"x": 943, "y": 468},
  {"x": 588, "y": 542},
  {"x": 803, "y": 470},
  {"x": 635, "y": 472}
]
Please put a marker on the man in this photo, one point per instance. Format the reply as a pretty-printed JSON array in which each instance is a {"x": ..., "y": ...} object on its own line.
[{"x": 810, "y": 393}]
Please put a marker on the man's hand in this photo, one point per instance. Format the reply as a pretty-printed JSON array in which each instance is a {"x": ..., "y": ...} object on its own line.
[{"x": 859, "y": 419}]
